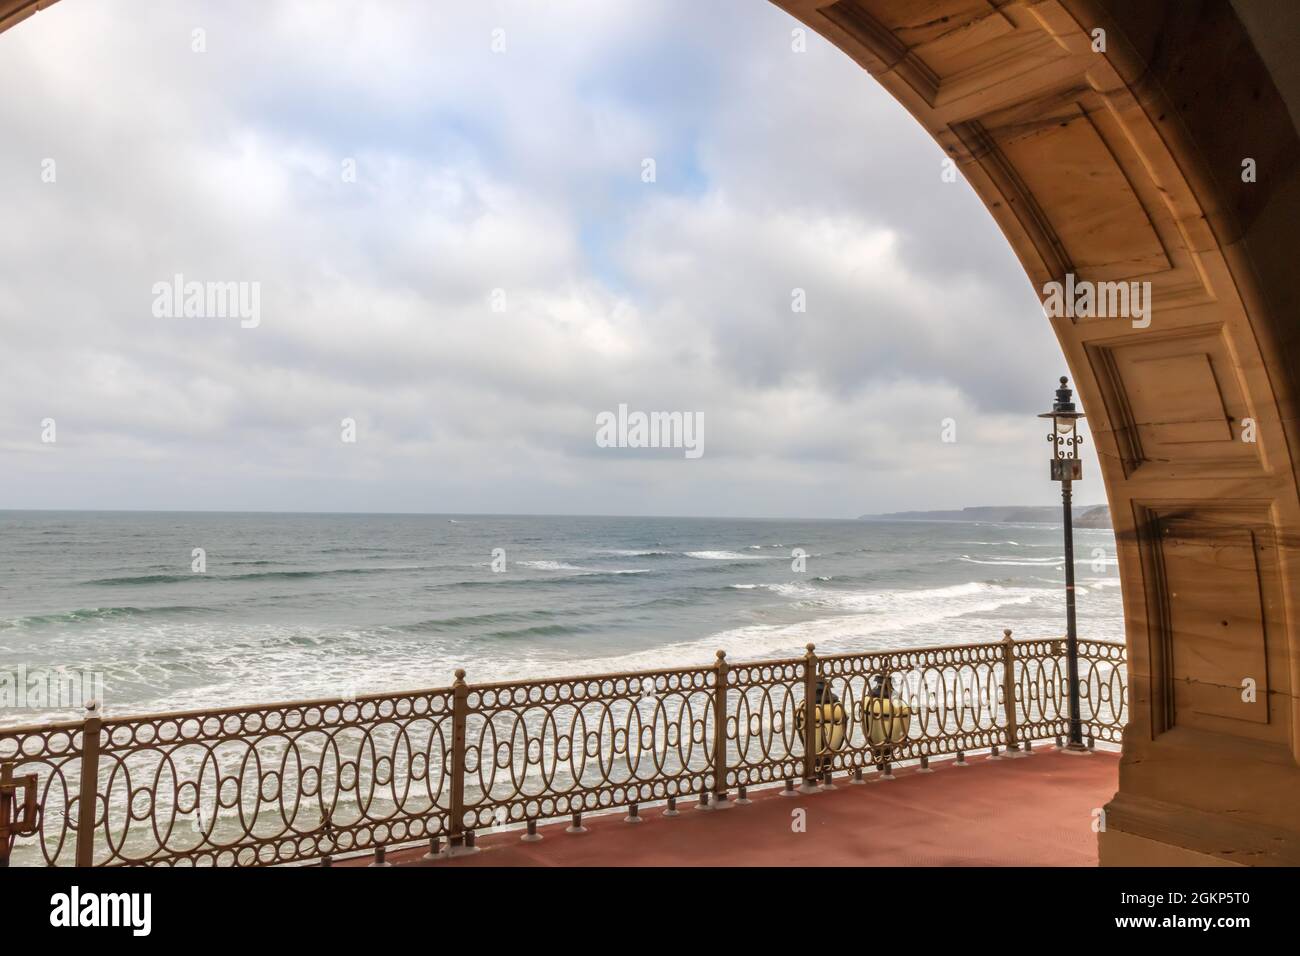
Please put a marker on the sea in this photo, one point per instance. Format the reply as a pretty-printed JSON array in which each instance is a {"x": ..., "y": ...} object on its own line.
[{"x": 171, "y": 611}]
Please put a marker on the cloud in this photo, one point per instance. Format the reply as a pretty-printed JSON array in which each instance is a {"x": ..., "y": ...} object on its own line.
[{"x": 483, "y": 175}]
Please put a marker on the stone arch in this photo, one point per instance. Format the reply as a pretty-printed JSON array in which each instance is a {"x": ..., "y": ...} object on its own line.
[{"x": 1117, "y": 157}]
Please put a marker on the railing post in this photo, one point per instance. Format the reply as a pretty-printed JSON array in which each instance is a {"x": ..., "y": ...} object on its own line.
[
  {"x": 810, "y": 702},
  {"x": 16, "y": 822},
  {"x": 459, "y": 718},
  {"x": 7, "y": 801},
  {"x": 720, "y": 733},
  {"x": 88, "y": 800},
  {"x": 1009, "y": 691}
]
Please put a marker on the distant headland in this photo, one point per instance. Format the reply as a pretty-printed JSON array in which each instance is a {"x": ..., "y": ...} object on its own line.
[{"x": 1085, "y": 516}]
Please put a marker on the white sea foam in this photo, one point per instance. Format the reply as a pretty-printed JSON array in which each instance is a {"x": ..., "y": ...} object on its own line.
[
  {"x": 723, "y": 556},
  {"x": 626, "y": 553},
  {"x": 884, "y": 612},
  {"x": 794, "y": 589},
  {"x": 890, "y": 603},
  {"x": 549, "y": 566}
]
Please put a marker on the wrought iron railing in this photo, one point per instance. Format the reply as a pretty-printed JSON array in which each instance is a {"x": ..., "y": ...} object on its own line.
[{"x": 312, "y": 780}]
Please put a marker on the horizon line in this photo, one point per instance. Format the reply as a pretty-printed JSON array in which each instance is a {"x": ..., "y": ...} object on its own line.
[{"x": 504, "y": 514}]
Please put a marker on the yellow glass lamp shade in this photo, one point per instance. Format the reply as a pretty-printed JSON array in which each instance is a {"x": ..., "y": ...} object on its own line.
[
  {"x": 828, "y": 726},
  {"x": 886, "y": 721}
]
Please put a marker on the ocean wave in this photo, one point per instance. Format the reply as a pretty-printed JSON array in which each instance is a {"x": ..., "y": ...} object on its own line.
[
  {"x": 439, "y": 624},
  {"x": 136, "y": 580},
  {"x": 506, "y": 580},
  {"x": 892, "y": 601},
  {"x": 890, "y": 613},
  {"x": 631, "y": 553},
  {"x": 792, "y": 589},
  {"x": 571, "y": 579},
  {"x": 322, "y": 574},
  {"x": 140, "y": 579},
  {"x": 1014, "y": 563},
  {"x": 541, "y": 630},
  {"x": 103, "y": 614},
  {"x": 784, "y": 589},
  {"x": 874, "y": 613},
  {"x": 576, "y": 572},
  {"x": 724, "y": 556}
]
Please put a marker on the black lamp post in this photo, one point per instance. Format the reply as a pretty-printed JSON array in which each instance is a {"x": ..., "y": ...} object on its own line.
[{"x": 1067, "y": 468}]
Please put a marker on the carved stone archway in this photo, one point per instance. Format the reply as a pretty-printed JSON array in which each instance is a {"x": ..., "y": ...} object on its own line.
[{"x": 1118, "y": 156}]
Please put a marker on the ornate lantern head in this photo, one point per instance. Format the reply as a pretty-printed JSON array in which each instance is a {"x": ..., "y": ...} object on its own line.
[{"x": 1064, "y": 436}]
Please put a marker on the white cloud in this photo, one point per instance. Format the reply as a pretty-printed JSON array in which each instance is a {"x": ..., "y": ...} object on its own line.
[{"x": 476, "y": 172}]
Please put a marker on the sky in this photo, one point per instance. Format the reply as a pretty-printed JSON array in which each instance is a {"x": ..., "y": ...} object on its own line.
[{"x": 448, "y": 216}]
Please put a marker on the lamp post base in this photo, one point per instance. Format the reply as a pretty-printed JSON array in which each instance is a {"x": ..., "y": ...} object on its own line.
[{"x": 1073, "y": 748}]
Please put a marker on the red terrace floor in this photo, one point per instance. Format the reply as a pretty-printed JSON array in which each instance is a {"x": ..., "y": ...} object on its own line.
[{"x": 1030, "y": 811}]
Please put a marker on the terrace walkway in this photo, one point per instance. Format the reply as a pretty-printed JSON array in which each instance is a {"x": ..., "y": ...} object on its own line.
[{"x": 1029, "y": 811}]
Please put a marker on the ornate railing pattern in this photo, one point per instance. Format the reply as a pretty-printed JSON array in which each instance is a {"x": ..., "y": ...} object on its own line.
[
  {"x": 1103, "y": 703},
  {"x": 548, "y": 748},
  {"x": 309, "y": 780},
  {"x": 239, "y": 787}
]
